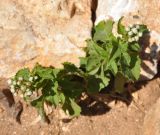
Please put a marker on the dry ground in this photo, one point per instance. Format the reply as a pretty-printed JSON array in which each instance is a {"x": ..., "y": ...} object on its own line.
[{"x": 111, "y": 119}]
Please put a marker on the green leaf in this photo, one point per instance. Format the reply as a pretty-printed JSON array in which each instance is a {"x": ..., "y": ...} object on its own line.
[
  {"x": 38, "y": 103},
  {"x": 121, "y": 29},
  {"x": 93, "y": 65},
  {"x": 24, "y": 73},
  {"x": 76, "y": 108},
  {"x": 136, "y": 69},
  {"x": 44, "y": 72},
  {"x": 119, "y": 83},
  {"x": 113, "y": 67},
  {"x": 135, "y": 47},
  {"x": 53, "y": 100},
  {"x": 71, "y": 106},
  {"x": 93, "y": 85},
  {"x": 126, "y": 58},
  {"x": 103, "y": 30}
]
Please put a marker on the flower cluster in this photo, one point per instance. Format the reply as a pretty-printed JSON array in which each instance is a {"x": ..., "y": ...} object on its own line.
[
  {"x": 21, "y": 86},
  {"x": 134, "y": 33}
]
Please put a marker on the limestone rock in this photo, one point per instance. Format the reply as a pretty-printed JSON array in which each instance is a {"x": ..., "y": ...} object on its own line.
[
  {"x": 152, "y": 121},
  {"x": 137, "y": 11},
  {"x": 49, "y": 32}
]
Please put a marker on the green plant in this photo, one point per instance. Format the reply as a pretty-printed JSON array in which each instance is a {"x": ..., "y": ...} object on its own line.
[{"x": 109, "y": 59}]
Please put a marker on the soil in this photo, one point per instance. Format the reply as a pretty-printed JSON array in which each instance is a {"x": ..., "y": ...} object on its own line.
[{"x": 100, "y": 118}]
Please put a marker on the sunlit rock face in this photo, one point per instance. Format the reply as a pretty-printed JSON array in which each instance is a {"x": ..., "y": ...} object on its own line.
[
  {"x": 137, "y": 11},
  {"x": 45, "y": 31}
]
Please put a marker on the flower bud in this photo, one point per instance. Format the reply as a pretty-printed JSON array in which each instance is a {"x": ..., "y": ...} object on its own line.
[
  {"x": 140, "y": 34},
  {"x": 36, "y": 77},
  {"x": 20, "y": 78},
  {"x": 14, "y": 82},
  {"x": 9, "y": 81},
  {"x": 134, "y": 30},
  {"x": 130, "y": 33},
  {"x": 12, "y": 90},
  {"x": 31, "y": 79}
]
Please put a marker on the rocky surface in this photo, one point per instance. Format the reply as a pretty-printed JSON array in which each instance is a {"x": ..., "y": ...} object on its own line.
[
  {"x": 54, "y": 31},
  {"x": 49, "y": 32}
]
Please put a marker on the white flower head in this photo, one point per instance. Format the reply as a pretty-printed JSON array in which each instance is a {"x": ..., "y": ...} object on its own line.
[
  {"x": 127, "y": 29},
  {"x": 31, "y": 79},
  {"x": 28, "y": 90},
  {"x": 21, "y": 95},
  {"x": 137, "y": 26},
  {"x": 23, "y": 87},
  {"x": 12, "y": 86},
  {"x": 20, "y": 78},
  {"x": 130, "y": 40},
  {"x": 28, "y": 93},
  {"x": 36, "y": 77},
  {"x": 134, "y": 30},
  {"x": 9, "y": 81},
  {"x": 14, "y": 82},
  {"x": 140, "y": 34},
  {"x": 136, "y": 38},
  {"x": 18, "y": 83},
  {"x": 12, "y": 90},
  {"x": 130, "y": 33},
  {"x": 131, "y": 25},
  {"x": 15, "y": 94}
]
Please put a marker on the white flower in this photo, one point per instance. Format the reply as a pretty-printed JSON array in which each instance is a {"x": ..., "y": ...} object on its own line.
[
  {"x": 12, "y": 90},
  {"x": 21, "y": 95},
  {"x": 130, "y": 40},
  {"x": 20, "y": 78},
  {"x": 131, "y": 25},
  {"x": 27, "y": 90},
  {"x": 130, "y": 33},
  {"x": 140, "y": 34},
  {"x": 28, "y": 93},
  {"x": 31, "y": 79},
  {"x": 15, "y": 94},
  {"x": 36, "y": 77},
  {"x": 137, "y": 27},
  {"x": 127, "y": 29},
  {"x": 134, "y": 30},
  {"x": 12, "y": 86},
  {"x": 18, "y": 83},
  {"x": 136, "y": 38},
  {"x": 9, "y": 81},
  {"x": 14, "y": 82},
  {"x": 28, "y": 84},
  {"x": 23, "y": 88}
]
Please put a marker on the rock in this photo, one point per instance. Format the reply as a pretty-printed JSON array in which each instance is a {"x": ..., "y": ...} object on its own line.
[
  {"x": 49, "y": 32},
  {"x": 114, "y": 9},
  {"x": 152, "y": 120},
  {"x": 137, "y": 11},
  {"x": 7, "y": 103},
  {"x": 150, "y": 55}
]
